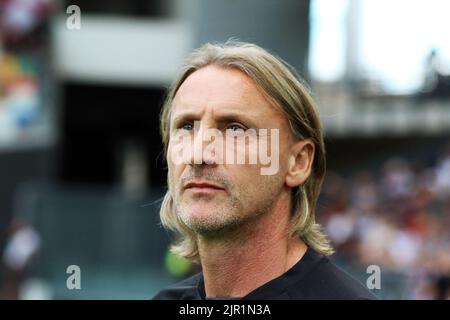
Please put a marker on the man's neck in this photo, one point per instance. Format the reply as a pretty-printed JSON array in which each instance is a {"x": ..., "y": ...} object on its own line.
[{"x": 260, "y": 252}]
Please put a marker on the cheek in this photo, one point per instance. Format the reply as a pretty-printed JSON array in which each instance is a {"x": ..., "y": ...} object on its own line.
[
  {"x": 170, "y": 163},
  {"x": 174, "y": 167},
  {"x": 252, "y": 188},
  {"x": 245, "y": 177},
  {"x": 284, "y": 154}
]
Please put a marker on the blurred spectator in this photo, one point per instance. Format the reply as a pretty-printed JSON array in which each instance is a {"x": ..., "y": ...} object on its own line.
[
  {"x": 443, "y": 173},
  {"x": 21, "y": 247},
  {"x": 436, "y": 83},
  {"x": 397, "y": 179},
  {"x": 18, "y": 18}
]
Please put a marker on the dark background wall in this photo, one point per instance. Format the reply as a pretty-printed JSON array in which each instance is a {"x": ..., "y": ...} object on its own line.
[{"x": 95, "y": 123}]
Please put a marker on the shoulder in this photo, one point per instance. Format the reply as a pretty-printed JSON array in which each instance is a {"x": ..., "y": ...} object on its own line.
[
  {"x": 186, "y": 289},
  {"x": 327, "y": 281}
]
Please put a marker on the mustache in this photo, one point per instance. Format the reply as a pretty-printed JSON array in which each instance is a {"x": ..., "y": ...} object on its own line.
[{"x": 207, "y": 176}]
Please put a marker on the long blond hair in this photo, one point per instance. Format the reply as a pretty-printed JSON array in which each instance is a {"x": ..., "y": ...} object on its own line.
[{"x": 282, "y": 84}]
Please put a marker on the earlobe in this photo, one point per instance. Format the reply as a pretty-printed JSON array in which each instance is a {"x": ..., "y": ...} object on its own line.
[{"x": 300, "y": 163}]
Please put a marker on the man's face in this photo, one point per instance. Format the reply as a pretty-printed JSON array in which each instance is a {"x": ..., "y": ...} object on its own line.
[{"x": 215, "y": 197}]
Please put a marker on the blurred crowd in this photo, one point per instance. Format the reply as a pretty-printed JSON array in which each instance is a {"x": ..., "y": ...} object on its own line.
[
  {"x": 398, "y": 218},
  {"x": 23, "y": 55}
]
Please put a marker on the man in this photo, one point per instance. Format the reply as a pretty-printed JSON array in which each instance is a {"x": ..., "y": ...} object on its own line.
[{"x": 252, "y": 230}]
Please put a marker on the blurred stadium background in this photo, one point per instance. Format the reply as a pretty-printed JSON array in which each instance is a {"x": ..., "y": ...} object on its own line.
[{"x": 81, "y": 171}]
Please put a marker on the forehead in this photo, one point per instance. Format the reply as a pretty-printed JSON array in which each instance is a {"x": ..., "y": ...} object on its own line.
[{"x": 222, "y": 90}]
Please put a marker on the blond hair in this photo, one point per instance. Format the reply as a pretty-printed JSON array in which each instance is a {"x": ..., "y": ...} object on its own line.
[{"x": 285, "y": 88}]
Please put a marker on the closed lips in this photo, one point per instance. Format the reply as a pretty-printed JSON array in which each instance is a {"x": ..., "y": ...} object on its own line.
[{"x": 202, "y": 185}]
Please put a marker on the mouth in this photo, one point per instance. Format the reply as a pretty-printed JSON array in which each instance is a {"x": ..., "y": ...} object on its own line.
[{"x": 203, "y": 187}]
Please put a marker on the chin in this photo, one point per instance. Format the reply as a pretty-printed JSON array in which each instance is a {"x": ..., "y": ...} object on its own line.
[
  {"x": 205, "y": 219},
  {"x": 200, "y": 214}
]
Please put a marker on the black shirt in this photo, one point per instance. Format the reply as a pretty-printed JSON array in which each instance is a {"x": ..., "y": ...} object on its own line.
[{"x": 313, "y": 277}]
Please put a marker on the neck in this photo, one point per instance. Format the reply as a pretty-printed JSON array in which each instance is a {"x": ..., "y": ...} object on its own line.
[{"x": 238, "y": 263}]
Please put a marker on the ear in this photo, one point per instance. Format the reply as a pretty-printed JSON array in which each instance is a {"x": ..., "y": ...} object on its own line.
[{"x": 300, "y": 163}]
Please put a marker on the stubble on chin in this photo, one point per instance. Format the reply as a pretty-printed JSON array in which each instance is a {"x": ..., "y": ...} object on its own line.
[{"x": 217, "y": 217}]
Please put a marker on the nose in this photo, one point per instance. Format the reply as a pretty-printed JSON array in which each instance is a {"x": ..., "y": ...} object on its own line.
[{"x": 201, "y": 154}]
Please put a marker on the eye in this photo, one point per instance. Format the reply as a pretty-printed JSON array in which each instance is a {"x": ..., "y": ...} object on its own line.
[
  {"x": 235, "y": 127},
  {"x": 186, "y": 126}
]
